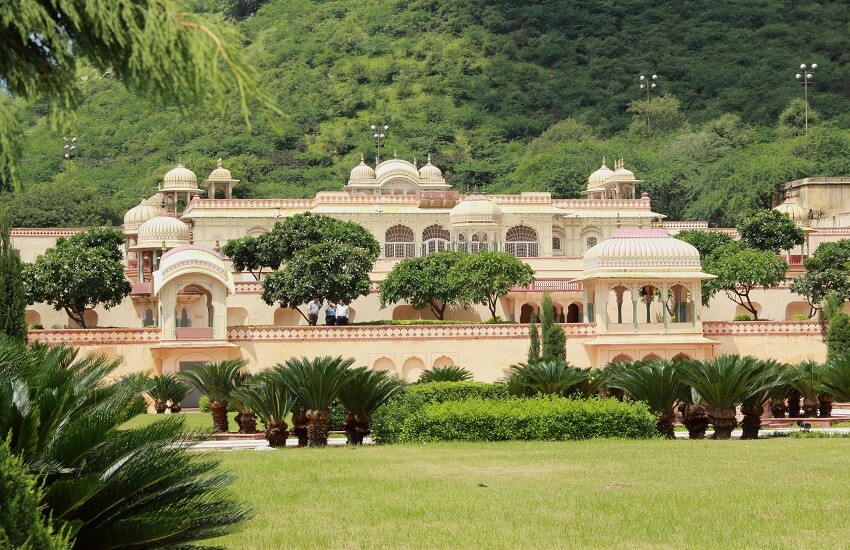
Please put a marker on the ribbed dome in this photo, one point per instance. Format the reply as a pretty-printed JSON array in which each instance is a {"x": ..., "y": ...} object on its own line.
[
  {"x": 156, "y": 201},
  {"x": 430, "y": 172},
  {"x": 621, "y": 173},
  {"x": 362, "y": 172},
  {"x": 600, "y": 176},
  {"x": 180, "y": 179},
  {"x": 192, "y": 260},
  {"x": 396, "y": 167},
  {"x": 220, "y": 173},
  {"x": 162, "y": 229},
  {"x": 138, "y": 215},
  {"x": 192, "y": 253},
  {"x": 475, "y": 210},
  {"x": 639, "y": 249},
  {"x": 793, "y": 211}
]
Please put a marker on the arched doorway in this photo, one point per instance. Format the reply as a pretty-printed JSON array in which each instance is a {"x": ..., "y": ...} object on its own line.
[{"x": 574, "y": 313}]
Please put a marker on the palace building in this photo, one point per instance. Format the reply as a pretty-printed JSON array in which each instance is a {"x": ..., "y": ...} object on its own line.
[{"x": 599, "y": 256}]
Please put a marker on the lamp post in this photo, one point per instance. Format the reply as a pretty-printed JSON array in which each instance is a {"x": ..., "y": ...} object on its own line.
[
  {"x": 69, "y": 148},
  {"x": 378, "y": 134},
  {"x": 648, "y": 84},
  {"x": 804, "y": 77}
]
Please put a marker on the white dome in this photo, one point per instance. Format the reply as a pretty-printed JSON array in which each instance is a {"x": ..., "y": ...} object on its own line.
[
  {"x": 621, "y": 173},
  {"x": 162, "y": 231},
  {"x": 793, "y": 211},
  {"x": 192, "y": 260},
  {"x": 362, "y": 172},
  {"x": 396, "y": 167},
  {"x": 138, "y": 215},
  {"x": 600, "y": 176},
  {"x": 430, "y": 172},
  {"x": 640, "y": 250},
  {"x": 180, "y": 178},
  {"x": 156, "y": 201},
  {"x": 220, "y": 173},
  {"x": 475, "y": 210}
]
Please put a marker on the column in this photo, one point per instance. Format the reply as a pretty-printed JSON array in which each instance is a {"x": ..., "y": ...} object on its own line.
[
  {"x": 664, "y": 290},
  {"x": 634, "y": 312}
]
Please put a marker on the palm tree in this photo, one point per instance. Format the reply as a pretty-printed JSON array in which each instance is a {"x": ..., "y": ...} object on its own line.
[
  {"x": 216, "y": 381},
  {"x": 178, "y": 394},
  {"x": 806, "y": 382},
  {"x": 315, "y": 384},
  {"x": 546, "y": 377},
  {"x": 362, "y": 396},
  {"x": 108, "y": 487},
  {"x": 723, "y": 383},
  {"x": 166, "y": 388},
  {"x": 694, "y": 413},
  {"x": 271, "y": 401},
  {"x": 448, "y": 373},
  {"x": 774, "y": 376},
  {"x": 657, "y": 383}
]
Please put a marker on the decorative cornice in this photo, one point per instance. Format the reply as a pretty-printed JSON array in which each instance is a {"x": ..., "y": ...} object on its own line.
[
  {"x": 762, "y": 328},
  {"x": 47, "y": 231},
  {"x": 95, "y": 336}
]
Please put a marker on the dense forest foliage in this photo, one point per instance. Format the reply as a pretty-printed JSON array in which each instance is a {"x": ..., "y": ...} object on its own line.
[{"x": 508, "y": 96}]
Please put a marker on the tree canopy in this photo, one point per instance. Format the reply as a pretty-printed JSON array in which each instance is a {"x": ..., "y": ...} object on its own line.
[
  {"x": 827, "y": 270},
  {"x": 771, "y": 231},
  {"x": 422, "y": 283},
  {"x": 484, "y": 277},
  {"x": 79, "y": 273}
]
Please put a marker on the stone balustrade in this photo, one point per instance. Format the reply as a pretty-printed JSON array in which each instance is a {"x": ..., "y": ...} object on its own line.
[
  {"x": 761, "y": 328},
  {"x": 95, "y": 336}
]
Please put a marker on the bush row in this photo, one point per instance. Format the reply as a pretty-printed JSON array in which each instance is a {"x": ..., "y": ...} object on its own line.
[
  {"x": 544, "y": 418},
  {"x": 438, "y": 392}
]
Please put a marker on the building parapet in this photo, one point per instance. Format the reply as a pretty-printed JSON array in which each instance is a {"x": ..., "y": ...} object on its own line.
[
  {"x": 762, "y": 328},
  {"x": 47, "y": 231},
  {"x": 541, "y": 285},
  {"x": 95, "y": 336}
]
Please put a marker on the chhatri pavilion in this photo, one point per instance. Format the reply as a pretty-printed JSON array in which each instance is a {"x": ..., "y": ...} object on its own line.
[{"x": 604, "y": 258}]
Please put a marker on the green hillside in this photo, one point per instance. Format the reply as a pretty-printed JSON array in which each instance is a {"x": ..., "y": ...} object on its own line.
[{"x": 508, "y": 96}]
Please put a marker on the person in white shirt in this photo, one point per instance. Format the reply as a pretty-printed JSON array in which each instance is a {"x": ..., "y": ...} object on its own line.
[
  {"x": 342, "y": 313},
  {"x": 313, "y": 311},
  {"x": 330, "y": 313}
]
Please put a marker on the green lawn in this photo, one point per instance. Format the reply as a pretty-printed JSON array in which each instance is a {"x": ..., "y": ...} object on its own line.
[
  {"x": 193, "y": 420},
  {"x": 627, "y": 494}
]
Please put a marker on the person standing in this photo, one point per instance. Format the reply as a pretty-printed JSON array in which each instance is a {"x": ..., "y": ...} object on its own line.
[
  {"x": 342, "y": 313},
  {"x": 313, "y": 311},
  {"x": 330, "y": 314}
]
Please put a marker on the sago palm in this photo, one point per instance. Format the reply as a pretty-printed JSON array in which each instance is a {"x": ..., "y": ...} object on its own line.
[
  {"x": 657, "y": 383},
  {"x": 165, "y": 388},
  {"x": 448, "y": 373},
  {"x": 723, "y": 383},
  {"x": 216, "y": 381},
  {"x": 113, "y": 488},
  {"x": 272, "y": 402},
  {"x": 546, "y": 377},
  {"x": 773, "y": 375},
  {"x": 362, "y": 396},
  {"x": 806, "y": 381},
  {"x": 315, "y": 383},
  {"x": 835, "y": 376}
]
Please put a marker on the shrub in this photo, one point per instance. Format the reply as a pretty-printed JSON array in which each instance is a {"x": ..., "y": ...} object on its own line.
[
  {"x": 388, "y": 420},
  {"x": 544, "y": 418},
  {"x": 21, "y": 522},
  {"x": 838, "y": 335},
  {"x": 204, "y": 403},
  {"x": 742, "y": 317},
  {"x": 448, "y": 373}
]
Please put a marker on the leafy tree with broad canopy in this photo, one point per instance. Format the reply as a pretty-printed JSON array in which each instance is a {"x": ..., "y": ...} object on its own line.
[
  {"x": 79, "y": 273},
  {"x": 321, "y": 256},
  {"x": 771, "y": 231},
  {"x": 828, "y": 269},
  {"x": 705, "y": 242},
  {"x": 484, "y": 277},
  {"x": 157, "y": 48},
  {"x": 740, "y": 270},
  {"x": 251, "y": 254},
  {"x": 422, "y": 283}
]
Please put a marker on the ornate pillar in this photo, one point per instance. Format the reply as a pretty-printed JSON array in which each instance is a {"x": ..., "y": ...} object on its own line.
[{"x": 665, "y": 288}]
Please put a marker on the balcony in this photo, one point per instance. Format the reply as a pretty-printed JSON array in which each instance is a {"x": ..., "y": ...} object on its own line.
[{"x": 194, "y": 333}]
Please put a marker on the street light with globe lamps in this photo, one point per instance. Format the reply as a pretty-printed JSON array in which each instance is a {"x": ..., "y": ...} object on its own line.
[
  {"x": 378, "y": 134},
  {"x": 69, "y": 148},
  {"x": 804, "y": 77},
  {"x": 648, "y": 84}
]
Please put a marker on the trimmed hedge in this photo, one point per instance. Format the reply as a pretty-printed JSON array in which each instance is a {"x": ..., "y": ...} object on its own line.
[
  {"x": 544, "y": 418},
  {"x": 439, "y": 392}
]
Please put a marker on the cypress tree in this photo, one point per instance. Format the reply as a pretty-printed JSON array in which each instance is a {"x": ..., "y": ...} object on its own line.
[
  {"x": 12, "y": 298},
  {"x": 534, "y": 346},
  {"x": 554, "y": 340}
]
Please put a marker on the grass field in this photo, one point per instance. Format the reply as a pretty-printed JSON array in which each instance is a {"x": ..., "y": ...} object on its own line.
[
  {"x": 597, "y": 494},
  {"x": 193, "y": 420}
]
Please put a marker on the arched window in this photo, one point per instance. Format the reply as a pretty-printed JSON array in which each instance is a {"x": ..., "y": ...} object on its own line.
[
  {"x": 480, "y": 242},
  {"x": 435, "y": 239},
  {"x": 461, "y": 243},
  {"x": 591, "y": 242},
  {"x": 399, "y": 242},
  {"x": 521, "y": 241},
  {"x": 556, "y": 243}
]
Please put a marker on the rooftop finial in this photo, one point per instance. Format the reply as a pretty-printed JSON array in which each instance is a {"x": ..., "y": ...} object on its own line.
[
  {"x": 603, "y": 160},
  {"x": 395, "y": 153},
  {"x": 218, "y": 163},
  {"x": 361, "y": 159},
  {"x": 429, "y": 158}
]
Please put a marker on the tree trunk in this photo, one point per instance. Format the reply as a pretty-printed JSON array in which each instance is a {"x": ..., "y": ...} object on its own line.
[
  {"x": 356, "y": 428},
  {"x": 825, "y": 401},
  {"x": 794, "y": 404},
  {"x": 159, "y": 407},
  {"x": 778, "y": 408},
  {"x": 724, "y": 422},
  {"x": 176, "y": 408},
  {"x": 695, "y": 420},
  {"x": 276, "y": 434},
  {"x": 218, "y": 410},
  {"x": 665, "y": 425},
  {"x": 248, "y": 423},
  {"x": 299, "y": 426},
  {"x": 752, "y": 420},
  {"x": 810, "y": 407},
  {"x": 317, "y": 427}
]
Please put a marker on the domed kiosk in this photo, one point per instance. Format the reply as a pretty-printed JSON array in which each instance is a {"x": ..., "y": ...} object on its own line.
[{"x": 642, "y": 288}]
